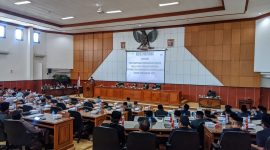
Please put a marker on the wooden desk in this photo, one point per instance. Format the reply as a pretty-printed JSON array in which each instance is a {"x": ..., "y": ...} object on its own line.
[
  {"x": 210, "y": 103},
  {"x": 97, "y": 119},
  {"x": 62, "y": 92},
  {"x": 62, "y": 130},
  {"x": 140, "y": 95},
  {"x": 158, "y": 128},
  {"x": 213, "y": 134}
]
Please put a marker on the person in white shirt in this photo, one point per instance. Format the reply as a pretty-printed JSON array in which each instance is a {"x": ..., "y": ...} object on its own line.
[{"x": 98, "y": 100}]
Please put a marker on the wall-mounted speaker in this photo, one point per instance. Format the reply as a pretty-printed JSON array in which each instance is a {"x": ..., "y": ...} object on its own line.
[{"x": 49, "y": 71}]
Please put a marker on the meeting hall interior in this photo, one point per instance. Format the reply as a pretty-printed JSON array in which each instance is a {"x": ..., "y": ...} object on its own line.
[{"x": 135, "y": 74}]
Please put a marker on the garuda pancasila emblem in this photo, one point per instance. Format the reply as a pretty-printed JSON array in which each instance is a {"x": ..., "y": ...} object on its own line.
[{"x": 142, "y": 37}]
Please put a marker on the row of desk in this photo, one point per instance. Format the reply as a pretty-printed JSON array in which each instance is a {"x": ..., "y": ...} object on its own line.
[
  {"x": 140, "y": 95},
  {"x": 62, "y": 92}
]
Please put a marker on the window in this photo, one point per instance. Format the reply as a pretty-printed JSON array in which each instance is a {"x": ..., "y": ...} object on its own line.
[
  {"x": 2, "y": 31},
  {"x": 19, "y": 34},
  {"x": 36, "y": 37}
]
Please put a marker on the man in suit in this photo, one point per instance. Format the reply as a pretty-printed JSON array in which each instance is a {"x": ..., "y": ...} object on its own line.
[
  {"x": 185, "y": 111},
  {"x": 4, "y": 111},
  {"x": 199, "y": 119},
  {"x": 261, "y": 136},
  {"x": 244, "y": 112},
  {"x": 183, "y": 126},
  {"x": 37, "y": 133},
  {"x": 115, "y": 118},
  {"x": 160, "y": 111},
  {"x": 236, "y": 125}
]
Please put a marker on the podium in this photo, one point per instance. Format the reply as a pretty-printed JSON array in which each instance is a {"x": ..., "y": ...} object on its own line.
[{"x": 88, "y": 89}]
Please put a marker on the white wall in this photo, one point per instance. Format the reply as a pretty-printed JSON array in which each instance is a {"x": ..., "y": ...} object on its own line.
[
  {"x": 13, "y": 65},
  {"x": 265, "y": 82},
  {"x": 181, "y": 67},
  {"x": 22, "y": 64},
  {"x": 262, "y": 45},
  {"x": 59, "y": 51}
]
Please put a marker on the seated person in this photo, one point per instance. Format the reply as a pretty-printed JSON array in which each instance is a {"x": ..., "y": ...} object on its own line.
[
  {"x": 48, "y": 99},
  {"x": 19, "y": 93},
  {"x": 128, "y": 110},
  {"x": 183, "y": 126},
  {"x": 244, "y": 111},
  {"x": 129, "y": 104},
  {"x": 257, "y": 114},
  {"x": 115, "y": 118},
  {"x": 125, "y": 105},
  {"x": 185, "y": 111},
  {"x": 4, "y": 111},
  {"x": 43, "y": 101},
  {"x": 97, "y": 100},
  {"x": 211, "y": 93},
  {"x": 262, "y": 136},
  {"x": 149, "y": 116},
  {"x": 145, "y": 86},
  {"x": 11, "y": 99},
  {"x": 160, "y": 112},
  {"x": 236, "y": 125},
  {"x": 136, "y": 105},
  {"x": 208, "y": 116},
  {"x": 228, "y": 110},
  {"x": 38, "y": 134},
  {"x": 156, "y": 86},
  {"x": 199, "y": 119}
]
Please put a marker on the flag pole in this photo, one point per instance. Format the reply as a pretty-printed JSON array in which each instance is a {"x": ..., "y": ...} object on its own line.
[{"x": 78, "y": 84}]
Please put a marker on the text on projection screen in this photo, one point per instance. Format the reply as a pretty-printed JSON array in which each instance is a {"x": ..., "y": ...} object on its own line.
[{"x": 147, "y": 67}]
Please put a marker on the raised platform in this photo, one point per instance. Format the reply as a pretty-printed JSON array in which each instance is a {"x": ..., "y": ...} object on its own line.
[{"x": 140, "y": 95}]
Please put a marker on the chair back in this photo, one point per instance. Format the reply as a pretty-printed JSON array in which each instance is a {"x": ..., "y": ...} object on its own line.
[
  {"x": 267, "y": 144},
  {"x": 88, "y": 106},
  {"x": 55, "y": 110},
  {"x": 105, "y": 138},
  {"x": 61, "y": 105},
  {"x": 74, "y": 101},
  {"x": 54, "y": 101},
  {"x": 26, "y": 108},
  {"x": 77, "y": 121},
  {"x": 184, "y": 140},
  {"x": 141, "y": 141},
  {"x": 233, "y": 140},
  {"x": 130, "y": 117},
  {"x": 17, "y": 133},
  {"x": 3, "y": 135},
  {"x": 200, "y": 131}
]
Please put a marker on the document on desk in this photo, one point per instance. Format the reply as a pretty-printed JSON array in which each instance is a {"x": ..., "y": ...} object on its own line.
[{"x": 131, "y": 124}]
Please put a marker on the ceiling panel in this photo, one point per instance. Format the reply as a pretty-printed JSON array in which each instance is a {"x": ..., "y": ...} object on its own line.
[{"x": 85, "y": 10}]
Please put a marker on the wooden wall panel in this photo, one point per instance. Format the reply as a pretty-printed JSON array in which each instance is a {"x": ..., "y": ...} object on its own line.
[
  {"x": 90, "y": 50},
  {"x": 226, "y": 50}
]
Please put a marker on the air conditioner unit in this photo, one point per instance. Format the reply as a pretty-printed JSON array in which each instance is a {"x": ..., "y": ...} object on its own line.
[
  {"x": 265, "y": 74},
  {"x": 4, "y": 52},
  {"x": 40, "y": 55}
]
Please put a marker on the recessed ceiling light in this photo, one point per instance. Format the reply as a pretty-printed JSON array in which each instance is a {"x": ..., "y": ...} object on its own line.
[
  {"x": 260, "y": 13},
  {"x": 168, "y": 4},
  {"x": 66, "y": 18},
  {"x": 22, "y": 2},
  {"x": 113, "y": 11}
]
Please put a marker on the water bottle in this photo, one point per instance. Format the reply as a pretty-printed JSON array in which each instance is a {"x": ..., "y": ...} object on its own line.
[
  {"x": 223, "y": 123},
  {"x": 123, "y": 120},
  {"x": 248, "y": 118},
  {"x": 227, "y": 119},
  {"x": 175, "y": 123},
  {"x": 150, "y": 121},
  {"x": 53, "y": 115},
  {"x": 246, "y": 123}
]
